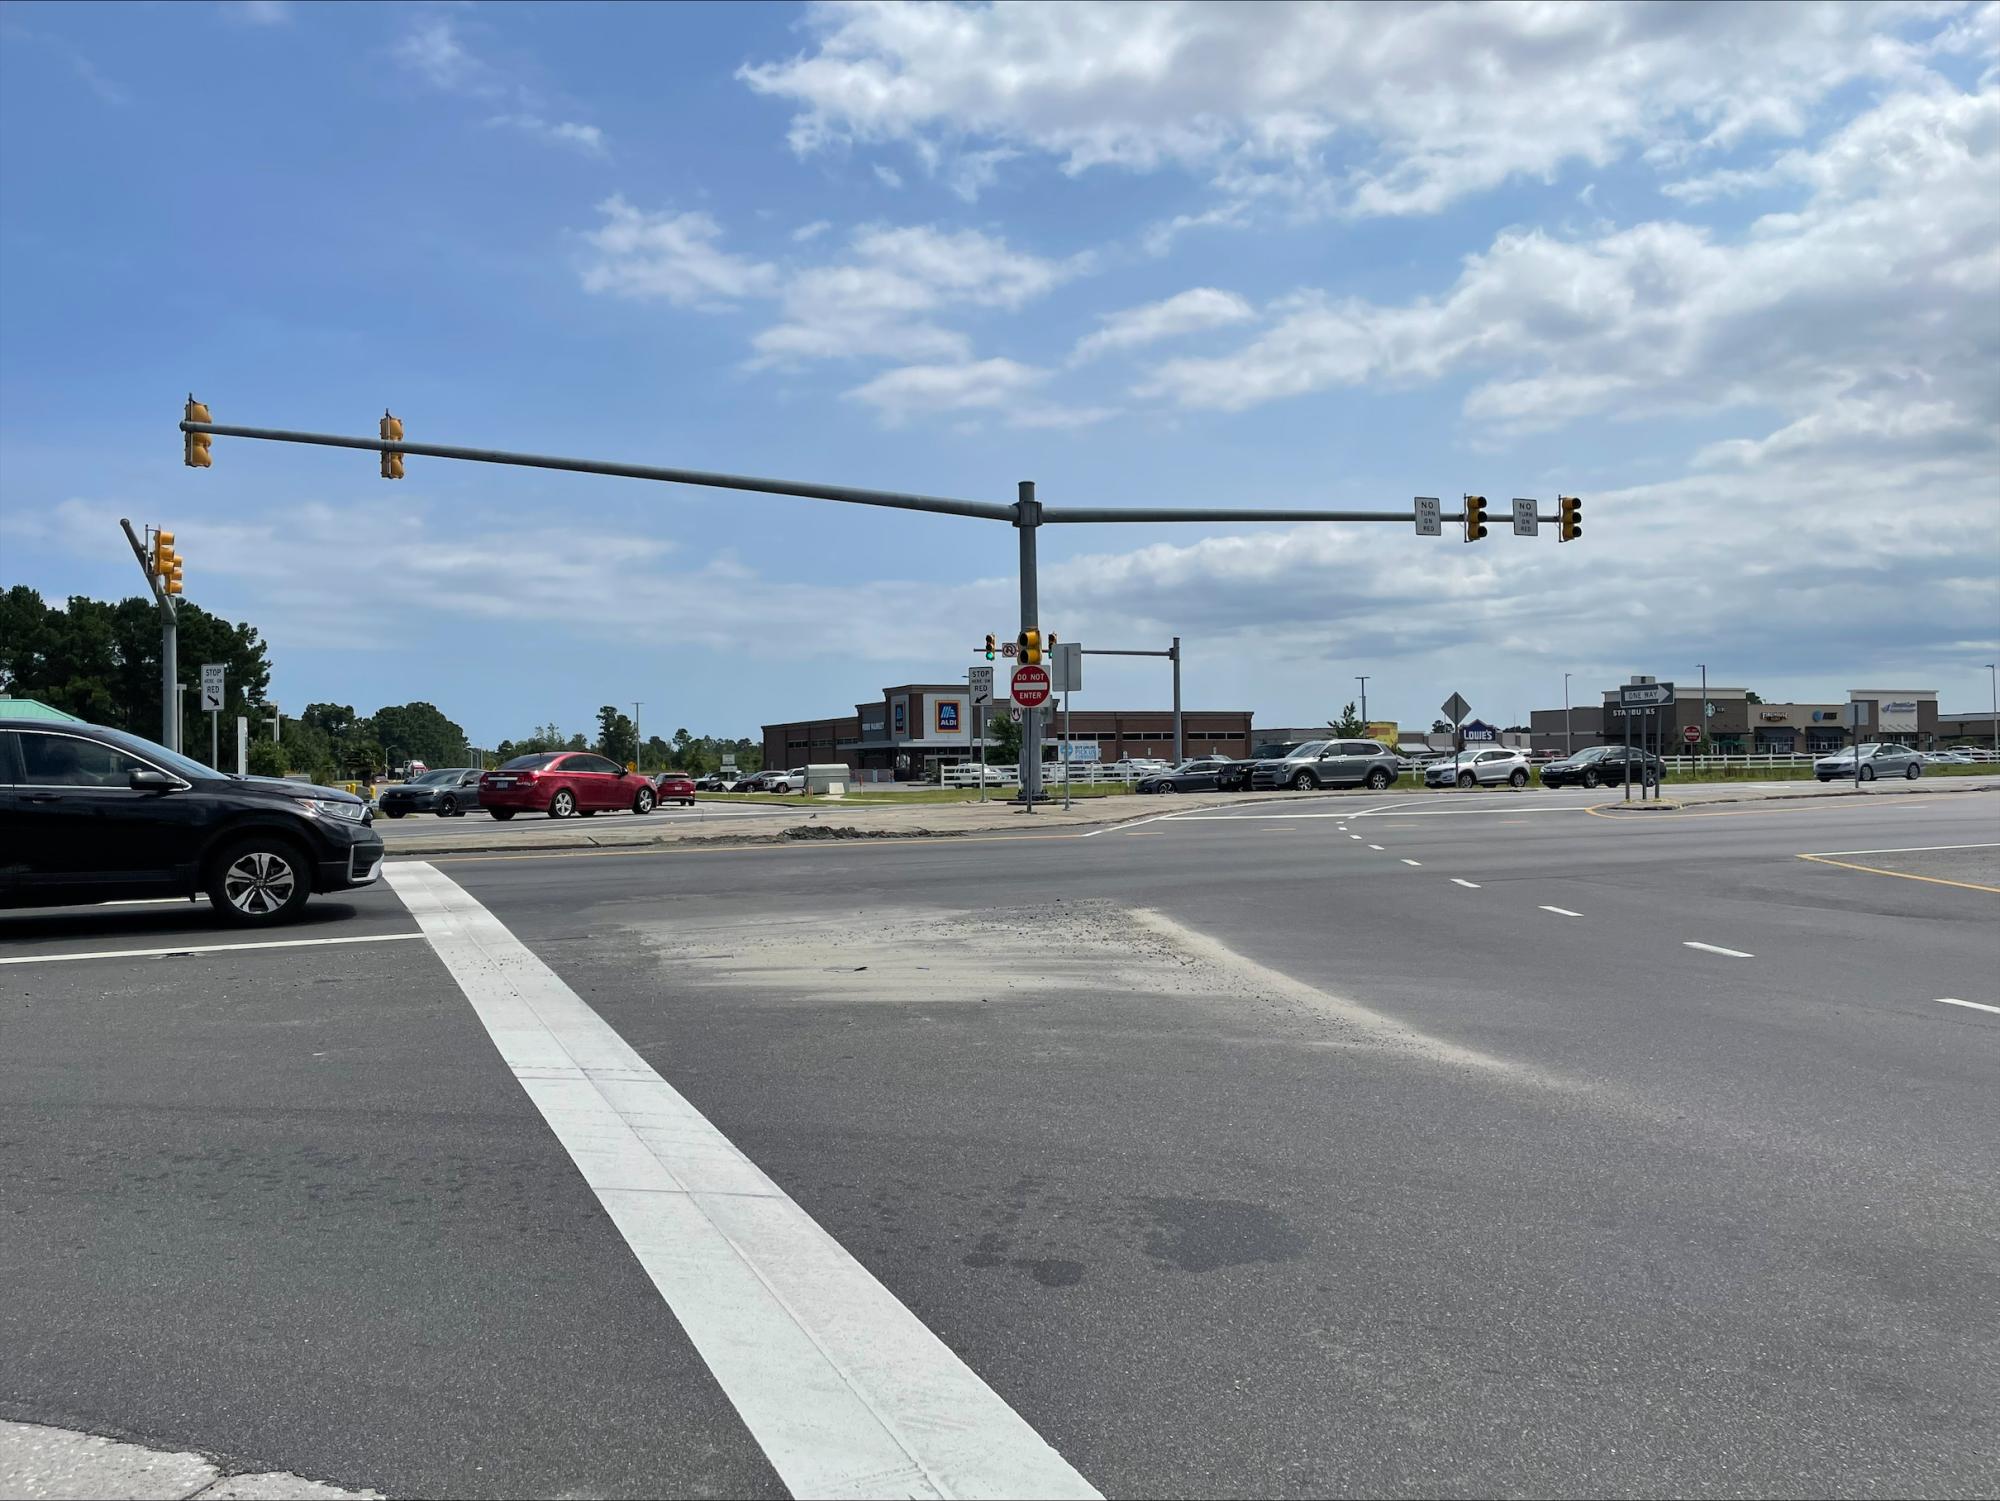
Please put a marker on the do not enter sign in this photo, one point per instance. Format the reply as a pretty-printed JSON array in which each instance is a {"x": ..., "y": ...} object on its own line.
[
  {"x": 1031, "y": 686},
  {"x": 1691, "y": 734}
]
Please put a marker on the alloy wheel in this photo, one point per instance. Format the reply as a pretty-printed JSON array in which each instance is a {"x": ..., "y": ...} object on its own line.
[{"x": 258, "y": 883}]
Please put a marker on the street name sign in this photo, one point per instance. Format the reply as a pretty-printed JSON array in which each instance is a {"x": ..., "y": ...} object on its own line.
[
  {"x": 1430, "y": 517},
  {"x": 1031, "y": 685},
  {"x": 979, "y": 686},
  {"x": 1456, "y": 708},
  {"x": 211, "y": 686}
]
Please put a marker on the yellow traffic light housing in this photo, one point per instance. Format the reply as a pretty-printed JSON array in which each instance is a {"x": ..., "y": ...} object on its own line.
[
  {"x": 392, "y": 432},
  {"x": 991, "y": 646},
  {"x": 1475, "y": 517},
  {"x": 163, "y": 553},
  {"x": 194, "y": 446},
  {"x": 173, "y": 583},
  {"x": 1569, "y": 518},
  {"x": 1031, "y": 645}
]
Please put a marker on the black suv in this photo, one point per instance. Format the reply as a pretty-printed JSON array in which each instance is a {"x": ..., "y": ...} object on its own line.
[
  {"x": 90, "y": 814},
  {"x": 1605, "y": 766}
]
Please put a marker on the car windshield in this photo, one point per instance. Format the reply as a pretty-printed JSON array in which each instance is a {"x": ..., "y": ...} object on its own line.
[
  {"x": 432, "y": 776},
  {"x": 528, "y": 763},
  {"x": 1595, "y": 753},
  {"x": 1274, "y": 750},
  {"x": 159, "y": 755}
]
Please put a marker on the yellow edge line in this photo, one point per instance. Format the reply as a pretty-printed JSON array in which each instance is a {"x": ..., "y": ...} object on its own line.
[{"x": 1901, "y": 875}]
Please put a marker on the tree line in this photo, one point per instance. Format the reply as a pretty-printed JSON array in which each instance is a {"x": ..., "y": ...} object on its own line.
[{"x": 101, "y": 662}]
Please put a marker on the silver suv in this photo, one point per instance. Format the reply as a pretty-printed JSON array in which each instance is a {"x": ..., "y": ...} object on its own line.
[
  {"x": 1480, "y": 768},
  {"x": 1330, "y": 763}
]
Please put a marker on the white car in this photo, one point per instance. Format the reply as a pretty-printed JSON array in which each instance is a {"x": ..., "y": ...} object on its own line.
[{"x": 1478, "y": 768}]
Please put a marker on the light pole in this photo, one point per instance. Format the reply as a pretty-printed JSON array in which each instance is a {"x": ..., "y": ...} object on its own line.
[
  {"x": 1704, "y": 708},
  {"x": 1362, "y": 679},
  {"x": 1993, "y": 680},
  {"x": 1568, "y": 749}
]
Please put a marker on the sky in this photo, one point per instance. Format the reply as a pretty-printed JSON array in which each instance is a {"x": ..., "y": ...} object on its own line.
[{"x": 1729, "y": 273}]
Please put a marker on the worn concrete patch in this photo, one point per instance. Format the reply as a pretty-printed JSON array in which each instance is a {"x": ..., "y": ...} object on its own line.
[{"x": 40, "y": 1463}]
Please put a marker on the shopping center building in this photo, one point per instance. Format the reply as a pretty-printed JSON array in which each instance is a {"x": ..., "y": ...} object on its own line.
[
  {"x": 915, "y": 728},
  {"x": 1737, "y": 726}
]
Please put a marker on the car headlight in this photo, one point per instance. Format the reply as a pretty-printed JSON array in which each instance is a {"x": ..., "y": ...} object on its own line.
[{"x": 325, "y": 807}]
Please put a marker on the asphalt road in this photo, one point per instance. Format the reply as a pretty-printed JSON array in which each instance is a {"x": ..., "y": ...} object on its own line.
[{"x": 1463, "y": 1145}]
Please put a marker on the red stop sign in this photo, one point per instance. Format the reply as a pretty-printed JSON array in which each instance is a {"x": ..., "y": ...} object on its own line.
[
  {"x": 1691, "y": 734},
  {"x": 1031, "y": 686}
]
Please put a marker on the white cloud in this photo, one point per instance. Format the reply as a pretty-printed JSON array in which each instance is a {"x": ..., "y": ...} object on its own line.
[
  {"x": 1192, "y": 311},
  {"x": 432, "y": 48},
  {"x": 889, "y": 177},
  {"x": 587, "y": 139},
  {"x": 259, "y": 12},
  {"x": 677, "y": 258},
  {"x": 972, "y": 386},
  {"x": 808, "y": 232},
  {"x": 1327, "y": 107}
]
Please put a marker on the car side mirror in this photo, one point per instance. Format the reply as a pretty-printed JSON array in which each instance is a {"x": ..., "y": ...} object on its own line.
[{"x": 145, "y": 779}]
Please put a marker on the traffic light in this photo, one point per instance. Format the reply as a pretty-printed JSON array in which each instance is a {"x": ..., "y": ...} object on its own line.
[
  {"x": 392, "y": 432},
  {"x": 194, "y": 446},
  {"x": 1031, "y": 645},
  {"x": 1569, "y": 518},
  {"x": 1475, "y": 517},
  {"x": 991, "y": 646},
  {"x": 166, "y": 563}
]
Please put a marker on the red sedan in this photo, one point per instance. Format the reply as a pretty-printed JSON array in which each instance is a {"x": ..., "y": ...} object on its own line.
[
  {"x": 564, "y": 784},
  {"x": 672, "y": 787}
]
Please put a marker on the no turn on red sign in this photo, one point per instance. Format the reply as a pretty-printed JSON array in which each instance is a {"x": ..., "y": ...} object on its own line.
[{"x": 1031, "y": 686}]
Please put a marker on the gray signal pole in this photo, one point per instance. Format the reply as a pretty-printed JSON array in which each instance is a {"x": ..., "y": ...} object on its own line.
[
  {"x": 1027, "y": 515},
  {"x": 170, "y": 686},
  {"x": 1993, "y": 682},
  {"x": 1568, "y": 749},
  {"x": 1362, "y": 679},
  {"x": 1173, "y": 653}
]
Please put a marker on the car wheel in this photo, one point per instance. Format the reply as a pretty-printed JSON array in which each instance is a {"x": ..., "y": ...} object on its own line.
[
  {"x": 502, "y": 814},
  {"x": 1913, "y": 773},
  {"x": 563, "y": 804},
  {"x": 259, "y": 880},
  {"x": 1867, "y": 773},
  {"x": 643, "y": 803},
  {"x": 392, "y": 812},
  {"x": 1168, "y": 787},
  {"x": 1467, "y": 779},
  {"x": 1592, "y": 780},
  {"x": 1519, "y": 779},
  {"x": 1378, "y": 779},
  {"x": 447, "y": 806},
  {"x": 1305, "y": 781}
]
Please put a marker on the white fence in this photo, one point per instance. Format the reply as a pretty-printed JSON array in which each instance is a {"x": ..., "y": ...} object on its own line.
[{"x": 1081, "y": 774}]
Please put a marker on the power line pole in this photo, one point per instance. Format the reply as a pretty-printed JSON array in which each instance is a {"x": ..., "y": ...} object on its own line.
[{"x": 1362, "y": 679}]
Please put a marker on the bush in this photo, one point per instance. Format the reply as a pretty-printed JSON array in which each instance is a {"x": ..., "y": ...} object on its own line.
[{"x": 266, "y": 759}]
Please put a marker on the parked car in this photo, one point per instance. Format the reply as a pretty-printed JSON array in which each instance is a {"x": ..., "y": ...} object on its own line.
[
  {"x": 1605, "y": 766},
  {"x": 1134, "y": 767},
  {"x": 564, "y": 784},
  {"x": 1876, "y": 761},
  {"x": 715, "y": 781},
  {"x": 1948, "y": 758},
  {"x": 91, "y": 814},
  {"x": 1197, "y": 774},
  {"x": 1480, "y": 768},
  {"x": 1330, "y": 763},
  {"x": 1236, "y": 776},
  {"x": 446, "y": 793},
  {"x": 762, "y": 781},
  {"x": 673, "y": 787}
]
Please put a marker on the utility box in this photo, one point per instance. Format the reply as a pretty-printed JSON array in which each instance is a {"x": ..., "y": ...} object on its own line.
[{"x": 828, "y": 781}]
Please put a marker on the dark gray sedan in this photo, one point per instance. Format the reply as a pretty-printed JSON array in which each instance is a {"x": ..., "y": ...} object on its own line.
[{"x": 1198, "y": 774}]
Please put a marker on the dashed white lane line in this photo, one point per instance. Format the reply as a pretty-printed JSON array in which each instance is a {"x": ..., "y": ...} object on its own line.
[
  {"x": 1413, "y": 862},
  {"x": 1710, "y": 948},
  {"x": 1945, "y": 1000},
  {"x": 846, "y": 1391},
  {"x": 1468, "y": 885},
  {"x": 1562, "y": 912},
  {"x": 1353, "y": 836},
  {"x": 1374, "y": 846},
  {"x": 203, "y": 948}
]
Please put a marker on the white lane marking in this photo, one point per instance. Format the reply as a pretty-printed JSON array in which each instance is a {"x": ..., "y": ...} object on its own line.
[
  {"x": 1710, "y": 948},
  {"x": 1353, "y": 836},
  {"x": 845, "y": 1390},
  {"x": 1120, "y": 828},
  {"x": 1911, "y": 849},
  {"x": 1196, "y": 815},
  {"x": 1374, "y": 846},
  {"x": 148, "y": 901},
  {"x": 203, "y": 948},
  {"x": 1945, "y": 1000},
  {"x": 1413, "y": 862},
  {"x": 1468, "y": 885},
  {"x": 1468, "y": 812},
  {"x": 1562, "y": 911}
]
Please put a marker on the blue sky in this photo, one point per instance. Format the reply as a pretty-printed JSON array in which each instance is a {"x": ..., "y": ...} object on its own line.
[{"x": 1732, "y": 274}]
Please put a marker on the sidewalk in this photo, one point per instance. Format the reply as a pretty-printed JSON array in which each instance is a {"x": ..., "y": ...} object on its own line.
[{"x": 39, "y": 1463}]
